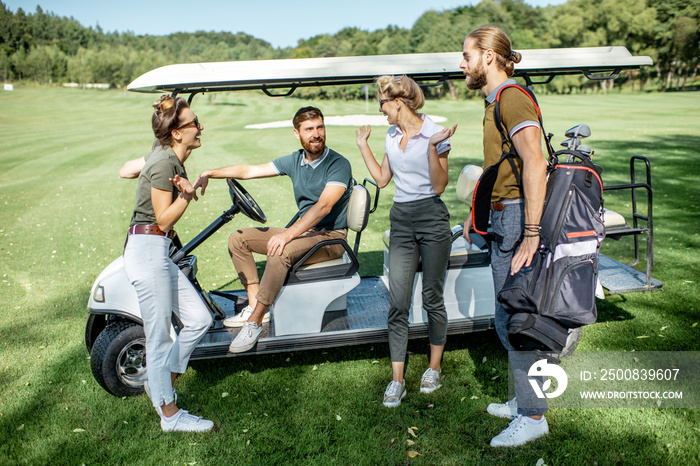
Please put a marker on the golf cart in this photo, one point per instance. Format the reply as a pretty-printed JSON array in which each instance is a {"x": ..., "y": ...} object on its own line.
[{"x": 325, "y": 304}]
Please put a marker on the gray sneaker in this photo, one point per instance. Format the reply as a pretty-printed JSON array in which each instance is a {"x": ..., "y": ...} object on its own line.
[
  {"x": 147, "y": 389},
  {"x": 246, "y": 338},
  {"x": 183, "y": 421},
  {"x": 430, "y": 381},
  {"x": 519, "y": 432},
  {"x": 242, "y": 317},
  {"x": 508, "y": 410},
  {"x": 394, "y": 393}
]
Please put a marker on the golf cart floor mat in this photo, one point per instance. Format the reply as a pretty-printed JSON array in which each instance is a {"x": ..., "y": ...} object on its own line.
[
  {"x": 363, "y": 322},
  {"x": 619, "y": 278}
]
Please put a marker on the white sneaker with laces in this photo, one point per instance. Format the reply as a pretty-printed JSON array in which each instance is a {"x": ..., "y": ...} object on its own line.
[
  {"x": 239, "y": 319},
  {"x": 182, "y": 421},
  {"x": 147, "y": 389},
  {"x": 520, "y": 431},
  {"x": 430, "y": 381},
  {"x": 508, "y": 410},
  {"x": 246, "y": 338},
  {"x": 394, "y": 393}
]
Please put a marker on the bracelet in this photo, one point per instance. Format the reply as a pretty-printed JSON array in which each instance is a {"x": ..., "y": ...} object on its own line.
[{"x": 531, "y": 236}]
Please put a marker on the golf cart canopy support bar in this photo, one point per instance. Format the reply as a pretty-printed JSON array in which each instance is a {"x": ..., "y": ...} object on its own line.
[{"x": 289, "y": 74}]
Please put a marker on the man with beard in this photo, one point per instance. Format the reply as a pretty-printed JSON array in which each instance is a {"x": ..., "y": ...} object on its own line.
[
  {"x": 515, "y": 216},
  {"x": 321, "y": 179}
]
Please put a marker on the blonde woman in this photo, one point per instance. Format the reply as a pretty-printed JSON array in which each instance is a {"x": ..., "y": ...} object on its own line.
[{"x": 415, "y": 156}]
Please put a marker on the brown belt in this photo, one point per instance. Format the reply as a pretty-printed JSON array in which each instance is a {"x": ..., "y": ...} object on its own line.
[
  {"x": 502, "y": 205},
  {"x": 150, "y": 230}
]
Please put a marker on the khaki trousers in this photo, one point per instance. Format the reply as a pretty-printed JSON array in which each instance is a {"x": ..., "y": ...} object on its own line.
[{"x": 243, "y": 243}]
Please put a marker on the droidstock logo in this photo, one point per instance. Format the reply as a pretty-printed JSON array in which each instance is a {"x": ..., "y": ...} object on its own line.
[{"x": 542, "y": 369}]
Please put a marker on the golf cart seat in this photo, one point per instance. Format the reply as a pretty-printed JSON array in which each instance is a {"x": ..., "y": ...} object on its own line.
[
  {"x": 312, "y": 289},
  {"x": 465, "y": 268},
  {"x": 613, "y": 221}
]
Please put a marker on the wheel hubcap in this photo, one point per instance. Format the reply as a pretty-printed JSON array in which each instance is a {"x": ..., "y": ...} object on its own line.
[{"x": 131, "y": 363}]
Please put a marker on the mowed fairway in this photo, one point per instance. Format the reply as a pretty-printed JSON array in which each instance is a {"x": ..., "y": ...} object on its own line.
[{"x": 63, "y": 218}]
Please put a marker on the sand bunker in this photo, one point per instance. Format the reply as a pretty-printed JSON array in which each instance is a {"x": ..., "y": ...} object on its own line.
[{"x": 345, "y": 120}]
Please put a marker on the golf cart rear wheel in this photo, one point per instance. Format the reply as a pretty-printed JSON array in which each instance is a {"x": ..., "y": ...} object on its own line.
[{"x": 118, "y": 359}]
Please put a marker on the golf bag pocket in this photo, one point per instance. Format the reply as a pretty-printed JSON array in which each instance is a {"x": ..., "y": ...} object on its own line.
[
  {"x": 571, "y": 290},
  {"x": 533, "y": 332},
  {"x": 521, "y": 293},
  {"x": 559, "y": 285}
]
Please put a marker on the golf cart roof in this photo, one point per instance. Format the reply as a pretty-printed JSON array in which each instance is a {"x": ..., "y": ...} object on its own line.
[{"x": 435, "y": 68}]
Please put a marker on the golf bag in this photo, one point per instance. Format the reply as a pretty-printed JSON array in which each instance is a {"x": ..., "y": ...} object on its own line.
[{"x": 556, "y": 292}]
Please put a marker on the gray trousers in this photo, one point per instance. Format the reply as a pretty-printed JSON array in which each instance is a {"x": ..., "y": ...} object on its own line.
[
  {"x": 419, "y": 230},
  {"x": 508, "y": 223}
]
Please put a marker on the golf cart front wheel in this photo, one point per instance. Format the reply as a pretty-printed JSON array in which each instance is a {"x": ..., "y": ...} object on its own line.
[{"x": 118, "y": 359}]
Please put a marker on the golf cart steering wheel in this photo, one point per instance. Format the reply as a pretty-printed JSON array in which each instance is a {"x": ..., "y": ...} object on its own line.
[{"x": 245, "y": 201}]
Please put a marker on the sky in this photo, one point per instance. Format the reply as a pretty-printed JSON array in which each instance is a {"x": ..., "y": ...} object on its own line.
[{"x": 281, "y": 23}]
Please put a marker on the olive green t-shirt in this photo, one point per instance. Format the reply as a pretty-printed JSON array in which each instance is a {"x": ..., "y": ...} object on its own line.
[
  {"x": 161, "y": 165},
  {"x": 517, "y": 112}
]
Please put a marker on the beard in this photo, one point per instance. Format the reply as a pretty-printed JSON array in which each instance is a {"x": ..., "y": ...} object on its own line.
[
  {"x": 314, "y": 150},
  {"x": 476, "y": 79}
]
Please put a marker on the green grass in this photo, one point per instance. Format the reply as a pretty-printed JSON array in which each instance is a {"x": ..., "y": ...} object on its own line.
[{"x": 63, "y": 216}]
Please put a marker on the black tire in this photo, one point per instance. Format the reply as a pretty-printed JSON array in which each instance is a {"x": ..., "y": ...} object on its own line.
[{"x": 118, "y": 359}]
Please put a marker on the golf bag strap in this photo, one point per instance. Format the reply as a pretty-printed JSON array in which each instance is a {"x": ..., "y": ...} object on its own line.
[{"x": 505, "y": 140}]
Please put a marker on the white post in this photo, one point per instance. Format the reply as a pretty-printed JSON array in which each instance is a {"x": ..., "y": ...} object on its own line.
[{"x": 366, "y": 89}]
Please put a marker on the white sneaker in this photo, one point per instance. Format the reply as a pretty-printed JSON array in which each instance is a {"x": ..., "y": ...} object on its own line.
[
  {"x": 519, "y": 432},
  {"x": 246, "y": 338},
  {"x": 182, "y": 421},
  {"x": 430, "y": 381},
  {"x": 243, "y": 316},
  {"x": 147, "y": 389},
  {"x": 394, "y": 393},
  {"x": 508, "y": 410}
]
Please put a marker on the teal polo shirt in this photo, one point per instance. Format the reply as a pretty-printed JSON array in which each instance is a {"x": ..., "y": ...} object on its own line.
[{"x": 310, "y": 179}]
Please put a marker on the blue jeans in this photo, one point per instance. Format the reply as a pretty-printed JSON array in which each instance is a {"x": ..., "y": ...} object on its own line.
[
  {"x": 162, "y": 290},
  {"x": 508, "y": 224}
]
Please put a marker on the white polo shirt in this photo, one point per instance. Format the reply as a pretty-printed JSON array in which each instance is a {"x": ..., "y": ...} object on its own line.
[{"x": 410, "y": 167}]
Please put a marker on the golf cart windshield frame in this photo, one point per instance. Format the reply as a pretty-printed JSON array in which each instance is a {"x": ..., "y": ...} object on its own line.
[{"x": 286, "y": 75}]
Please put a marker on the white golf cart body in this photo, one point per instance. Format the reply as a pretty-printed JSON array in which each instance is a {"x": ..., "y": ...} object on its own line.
[{"x": 329, "y": 304}]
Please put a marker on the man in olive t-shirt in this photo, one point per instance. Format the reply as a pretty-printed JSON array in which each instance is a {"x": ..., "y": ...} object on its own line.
[{"x": 488, "y": 62}]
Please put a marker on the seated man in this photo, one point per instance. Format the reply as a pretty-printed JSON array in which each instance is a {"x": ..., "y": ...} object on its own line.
[{"x": 321, "y": 179}]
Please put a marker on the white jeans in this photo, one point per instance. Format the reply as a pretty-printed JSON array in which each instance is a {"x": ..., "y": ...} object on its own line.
[{"x": 162, "y": 290}]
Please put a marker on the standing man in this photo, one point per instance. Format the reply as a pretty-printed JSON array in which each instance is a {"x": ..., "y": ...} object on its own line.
[
  {"x": 488, "y": 61},
  {"x": 321, "y": 179}
]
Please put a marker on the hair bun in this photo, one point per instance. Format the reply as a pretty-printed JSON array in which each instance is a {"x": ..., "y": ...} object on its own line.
[
  {"x": 515, "y": 57},
  {"x": 164, "y": 104}
]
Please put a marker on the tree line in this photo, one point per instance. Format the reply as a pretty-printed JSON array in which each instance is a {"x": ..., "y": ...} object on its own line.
[{"x": 44, "y": 48}]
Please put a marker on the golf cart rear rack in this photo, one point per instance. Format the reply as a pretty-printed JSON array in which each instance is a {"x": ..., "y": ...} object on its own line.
[
  {"x": 619, "y": 278},
  {"x": 426, "y": 68}
]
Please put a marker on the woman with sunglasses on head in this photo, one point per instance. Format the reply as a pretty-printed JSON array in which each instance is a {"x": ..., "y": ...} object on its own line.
[
  {"x": 415, "y": 155},
  {"x": 162, "y": 195}
]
